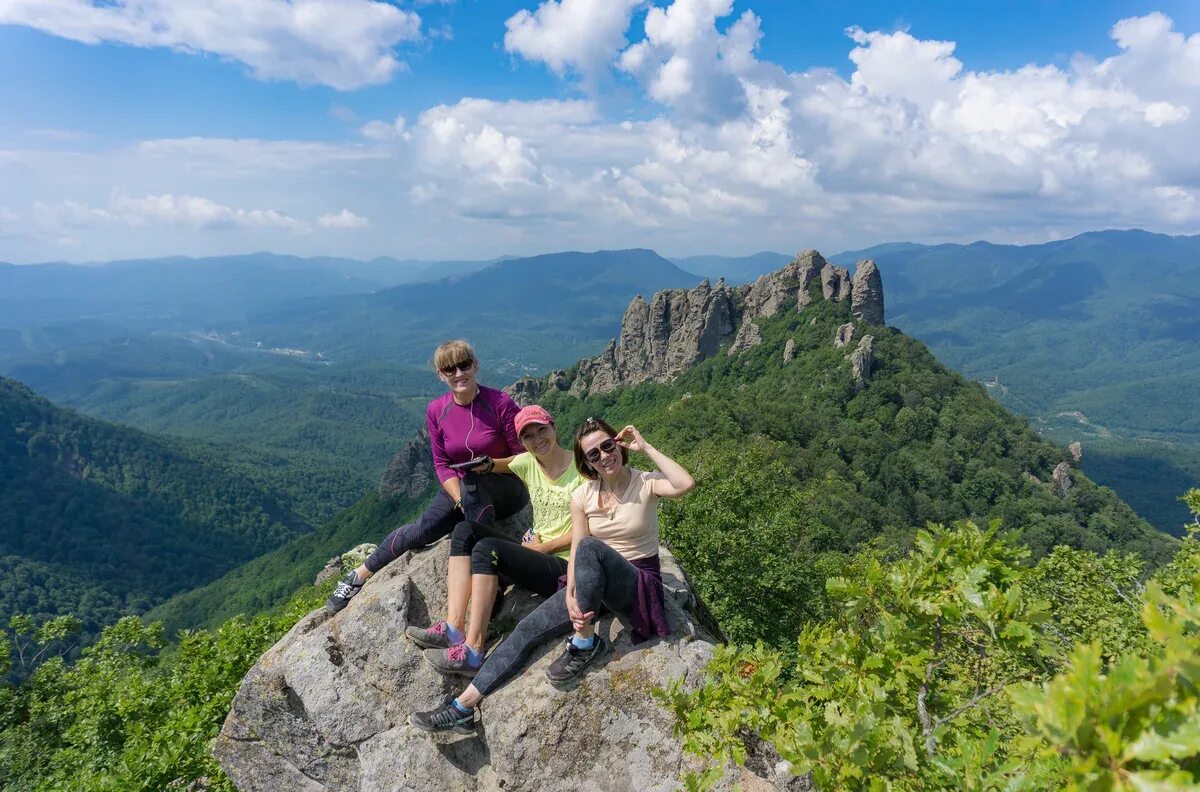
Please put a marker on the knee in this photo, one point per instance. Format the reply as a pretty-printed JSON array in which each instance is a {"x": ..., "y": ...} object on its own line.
[
  {"x": 589, "y": 548},
  {"x": 485, "y": 559},
  {"x": 462, "y": 539}
]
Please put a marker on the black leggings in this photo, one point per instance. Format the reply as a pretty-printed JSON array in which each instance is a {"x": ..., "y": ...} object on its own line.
[
  {"x": 494, "y": 553},
  {"x": 485, "y": 499},
  {"x": 602, "y": 576}
]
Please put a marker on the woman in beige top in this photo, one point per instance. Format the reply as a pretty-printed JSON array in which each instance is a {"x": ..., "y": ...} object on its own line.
[{"x": 614, "y": 563}]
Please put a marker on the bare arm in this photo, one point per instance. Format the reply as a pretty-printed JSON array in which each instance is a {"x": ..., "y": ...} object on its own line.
[
  {"x": 554, "y": 545},
  {"x": 677, "y": 482}
]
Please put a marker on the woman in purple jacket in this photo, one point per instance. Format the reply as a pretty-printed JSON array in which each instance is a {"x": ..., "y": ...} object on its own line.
[{"x": 470, "y": 421}]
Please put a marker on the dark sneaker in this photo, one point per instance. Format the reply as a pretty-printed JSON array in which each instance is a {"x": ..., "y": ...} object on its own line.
[
  {"x": 434, "y": 637},
  {"x": 455, "y": 660},
  {"x": 571, "y": 663},
  {"x": 445, "y": 718},
  {"x": 344, "y": 592}
]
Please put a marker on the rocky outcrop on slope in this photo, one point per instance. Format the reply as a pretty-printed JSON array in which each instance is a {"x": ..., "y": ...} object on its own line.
[
  {"x": 680, "y": 327},
  {"x": 326, "y": 708},
  {"x": 861, "y": 361},
  {"x": 844, "y": 335},
  {"x": 410, "y": 471}
]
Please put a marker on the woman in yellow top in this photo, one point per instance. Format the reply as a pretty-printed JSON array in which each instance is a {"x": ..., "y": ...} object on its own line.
[{"x": 479, "y": 553}]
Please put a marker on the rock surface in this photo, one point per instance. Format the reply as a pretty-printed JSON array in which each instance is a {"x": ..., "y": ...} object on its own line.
[
  {"x": 326, "y": 708},
  {"x": 866, "y": 297},
  {"x": 410, "y": 471},
  {"x": 789, "y": 351},
  {"x": 1060, "y": 480},
  {"x": 861, "y": 361},
  {"x": 845, "y": 334}
]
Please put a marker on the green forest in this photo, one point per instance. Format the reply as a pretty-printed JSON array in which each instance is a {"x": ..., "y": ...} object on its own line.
[
  {"x": 101, "y": 521},
  {"x": 834, "y": 533}
]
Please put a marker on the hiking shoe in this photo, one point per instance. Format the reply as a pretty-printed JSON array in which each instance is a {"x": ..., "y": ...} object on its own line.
[
  {"x": 344, "y": 592},
  {"x": 434, "y": 637},
  {"x": 571, "y": 663},
  {"x": 455, "y": 660},
  {"x": 445, "y": 718}
]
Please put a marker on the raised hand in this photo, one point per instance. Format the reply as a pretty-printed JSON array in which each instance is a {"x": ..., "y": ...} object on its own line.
[{"x": 631, "y": 438}]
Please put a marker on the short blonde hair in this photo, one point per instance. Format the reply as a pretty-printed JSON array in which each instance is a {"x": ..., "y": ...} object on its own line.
[{"x": 453, "y": 353}]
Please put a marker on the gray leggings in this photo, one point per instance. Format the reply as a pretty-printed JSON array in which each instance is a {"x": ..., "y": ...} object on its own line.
[{"x": 602, "y": 576}]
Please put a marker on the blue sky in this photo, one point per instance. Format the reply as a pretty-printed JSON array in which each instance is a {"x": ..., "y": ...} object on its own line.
[{"x": 464, "y": 129}]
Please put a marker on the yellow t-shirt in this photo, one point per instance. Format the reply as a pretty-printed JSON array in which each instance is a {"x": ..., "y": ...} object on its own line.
[
  {"x": 630, "y": 527},
  {"x": 550, "y": 498}
]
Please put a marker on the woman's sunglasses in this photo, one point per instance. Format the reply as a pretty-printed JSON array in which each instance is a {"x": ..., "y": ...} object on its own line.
[
  {"x": 609, "y": 446},
  {"x": 454, "y": 368}
]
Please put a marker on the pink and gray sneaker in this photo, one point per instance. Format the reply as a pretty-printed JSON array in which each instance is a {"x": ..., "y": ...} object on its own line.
[
  {"x": 435, "y": 637},
  {"x": 458, "y": 660}
]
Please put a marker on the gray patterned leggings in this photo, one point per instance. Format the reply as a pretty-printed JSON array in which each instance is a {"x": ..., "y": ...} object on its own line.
[{"x": 602, "y": 577}]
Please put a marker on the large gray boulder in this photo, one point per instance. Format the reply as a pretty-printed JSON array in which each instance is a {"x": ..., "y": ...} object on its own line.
[{"x": 326, "y": 708}]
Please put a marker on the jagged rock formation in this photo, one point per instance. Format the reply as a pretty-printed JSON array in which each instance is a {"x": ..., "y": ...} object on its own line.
[
  {"x": 410, "y": 471},
  {"x": 1060, "y": 480},
  {"x": 680, "y": 327},
  {"x": 835, "y": 283},
  {"x": 1076, "y": 451},
  {"x": 866, "y": 293},
  {"x": 861, "y": 360},
  {"x": 844, "y": 335},
  {"x": 789, "y": 351},
  {"x": 326, "y": 708}
]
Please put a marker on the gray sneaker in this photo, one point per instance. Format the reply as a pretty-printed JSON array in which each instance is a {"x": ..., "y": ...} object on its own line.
[
  {"x": 572, "y": 662},
  {"x": 434, "y": 637},
  {"x": 455, "y": 660},
  {"x": 445, "y": 718},
  {"x": 344, "y": 592}
]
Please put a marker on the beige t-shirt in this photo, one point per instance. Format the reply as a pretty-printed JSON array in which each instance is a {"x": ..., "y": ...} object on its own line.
[{"x": 631, "y": 528}]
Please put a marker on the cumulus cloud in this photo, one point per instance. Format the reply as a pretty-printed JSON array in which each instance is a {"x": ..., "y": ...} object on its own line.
[
  {"x": 686, "y": 63},
  {"x": 344, "y": 220},
  {"x": 395, "y": 129},
  {"x": 571, "y": 35},
  {"x": 739, "y": 155},
  {"x": 344, "y": 44}
]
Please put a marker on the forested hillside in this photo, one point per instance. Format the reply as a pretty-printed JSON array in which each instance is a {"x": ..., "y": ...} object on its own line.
[
  {"x": 99, "y": 520},
  {"x": 1094, "y": 337}
]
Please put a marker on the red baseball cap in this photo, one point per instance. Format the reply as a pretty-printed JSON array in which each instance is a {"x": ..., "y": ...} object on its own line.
[{"x": 533, "y": 414}]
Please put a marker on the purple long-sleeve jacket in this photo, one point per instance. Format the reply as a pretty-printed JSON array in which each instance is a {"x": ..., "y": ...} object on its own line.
[{"x": 459, "y": 433}]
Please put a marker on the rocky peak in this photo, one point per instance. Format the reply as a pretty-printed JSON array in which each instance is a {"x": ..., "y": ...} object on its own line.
[
  {"x": 866, "y": 293},
  {"x": 678, "y": 328}
]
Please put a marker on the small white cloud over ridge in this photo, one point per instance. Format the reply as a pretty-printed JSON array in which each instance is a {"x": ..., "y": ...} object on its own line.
[{"x": 344, "y": 220}]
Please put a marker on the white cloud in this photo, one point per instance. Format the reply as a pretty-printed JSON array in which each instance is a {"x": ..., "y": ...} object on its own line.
[
  {"x": 386, "y": 130},
  {"x": 198, "y": 212},
  {"x": 741, "y": 155},
  {"x": 686, "y": 63},
  {"x": 343, "y": 220},
  {"x": 344, "y": 44},
  {"x": 8, "y": 222},
  {"x": 161, "y": 210},
  {"x": 579, "y": 35}
]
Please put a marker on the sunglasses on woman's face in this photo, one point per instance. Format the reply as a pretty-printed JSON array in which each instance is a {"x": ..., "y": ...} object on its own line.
[
  {"x": 609, "y": 446},
  {"x": 454, "y": 368}
]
